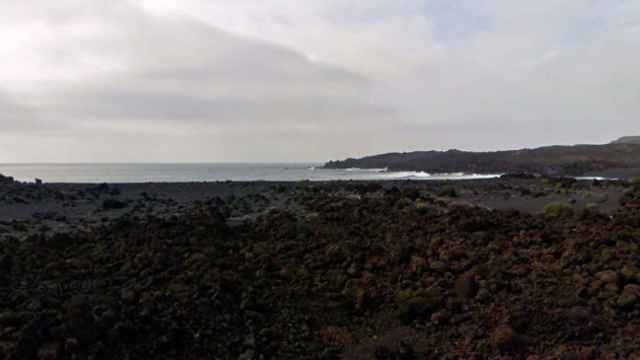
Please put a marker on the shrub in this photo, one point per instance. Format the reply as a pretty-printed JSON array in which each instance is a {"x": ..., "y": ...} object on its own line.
[
  {"x": 448, "y": 192},
  {"x": 636, "y": 182},
  {"x": 280, "y": 188},
  {"x": 558, "y": 209},
  {"x": 113, "y": 204},
  {"x": 423, "y": 208},
  {"x": 591, "y": 206}
]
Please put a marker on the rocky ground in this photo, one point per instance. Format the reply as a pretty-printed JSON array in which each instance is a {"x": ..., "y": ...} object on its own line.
[{"x": 513, "y": 268}]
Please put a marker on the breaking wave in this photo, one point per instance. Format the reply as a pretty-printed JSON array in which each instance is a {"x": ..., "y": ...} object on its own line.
[
  {"x": 380, "y": 170},
  {"x": 445, "y": 176},
  {"x": 408, "y": 175}
]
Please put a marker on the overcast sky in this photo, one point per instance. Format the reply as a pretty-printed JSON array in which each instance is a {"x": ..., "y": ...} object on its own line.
[{"x": 311, "y": 80}]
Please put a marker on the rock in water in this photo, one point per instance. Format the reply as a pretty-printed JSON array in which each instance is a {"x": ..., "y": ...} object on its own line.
[{"x": 6, "y": 179}]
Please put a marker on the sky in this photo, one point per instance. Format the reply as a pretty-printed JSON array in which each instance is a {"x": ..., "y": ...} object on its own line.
[{"x": 311, "y": 80}]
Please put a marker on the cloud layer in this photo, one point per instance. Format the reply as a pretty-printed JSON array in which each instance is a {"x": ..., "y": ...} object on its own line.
[{"x": 281, "y": 80}]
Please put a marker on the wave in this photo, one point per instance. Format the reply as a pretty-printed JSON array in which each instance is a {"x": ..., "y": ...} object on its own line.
[
  {"x": 440, "y": 176},
  {"x": 377, "y": 170},
  {"x": 384, "y": 174},
  {"x": 598, "y": 178},
  {"x": 407, "y": 174}
]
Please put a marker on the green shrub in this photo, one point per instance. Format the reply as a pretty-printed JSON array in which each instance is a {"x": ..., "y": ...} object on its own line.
[
  {"x": 636, "y": 182},
  {"x": 558, "y": 209},
  {"x": 448, "y": 192},
  {"x": 280, "y": 189},
  {"x": 423, "y": 208},
  {"x": 113, "y": 204},
  {"x": 591, "y": 206}
]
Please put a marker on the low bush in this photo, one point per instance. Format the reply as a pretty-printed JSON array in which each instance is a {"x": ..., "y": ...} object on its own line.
[
  {"x": 558, "y": 209},
  {"x": 113, "y": 204},
  {"x": 448, "y": 192}
]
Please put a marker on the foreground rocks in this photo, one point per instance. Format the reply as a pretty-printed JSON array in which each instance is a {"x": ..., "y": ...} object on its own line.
[{"x": 341, "y": 271}]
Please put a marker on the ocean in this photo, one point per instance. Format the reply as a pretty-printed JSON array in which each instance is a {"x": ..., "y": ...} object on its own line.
[{"x": 140, "y": 173}]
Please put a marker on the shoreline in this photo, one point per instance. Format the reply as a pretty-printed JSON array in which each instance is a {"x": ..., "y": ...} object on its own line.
[{"x": 168, "y": 173}]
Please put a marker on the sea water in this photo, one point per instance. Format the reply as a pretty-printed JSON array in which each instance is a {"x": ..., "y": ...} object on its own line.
[{"x": 139, "y": 173}]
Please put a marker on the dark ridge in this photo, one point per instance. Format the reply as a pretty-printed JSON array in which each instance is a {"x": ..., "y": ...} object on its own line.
[{"x": 574, "y": 160}]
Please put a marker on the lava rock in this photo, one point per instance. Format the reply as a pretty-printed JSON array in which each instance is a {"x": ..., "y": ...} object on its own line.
[
  {"x": 504, "y": 338},
  {"x": 466, "y": 286},
  {"x": 113, "y": 204},
  {"x": 608, "y": 276},
  {"x": 627, "y": 300}
]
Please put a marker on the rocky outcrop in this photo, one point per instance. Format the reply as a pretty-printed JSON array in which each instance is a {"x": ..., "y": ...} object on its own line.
[{"x": 6, "y": 179}]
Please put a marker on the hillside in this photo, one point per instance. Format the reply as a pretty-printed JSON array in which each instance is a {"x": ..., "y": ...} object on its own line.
[
  {"x": 628, "y": 140},
  {"x": 551, "y": 160}
]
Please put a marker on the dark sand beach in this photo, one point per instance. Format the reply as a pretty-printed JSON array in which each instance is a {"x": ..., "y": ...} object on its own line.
[{"x": 511, "y": 268}]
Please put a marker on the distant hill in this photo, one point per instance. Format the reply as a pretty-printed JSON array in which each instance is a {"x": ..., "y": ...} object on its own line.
[
  {"x": 628, "y": 140},
  {"x": 551, "y": 160}
]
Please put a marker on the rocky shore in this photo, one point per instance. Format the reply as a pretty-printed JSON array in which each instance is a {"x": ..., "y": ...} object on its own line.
[{"x": 510, "y": 268}]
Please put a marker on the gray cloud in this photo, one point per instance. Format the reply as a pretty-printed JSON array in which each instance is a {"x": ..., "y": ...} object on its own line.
[
  {"x": 15, "y": 117},
  {"x": 183, "y": 70},
  {"x": 284, "y": 80}
]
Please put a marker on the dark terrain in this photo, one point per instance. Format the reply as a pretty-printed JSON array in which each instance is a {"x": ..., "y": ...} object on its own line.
[
  {"x": 510, "y": 268},
  {"x": 620, "y": 158}
]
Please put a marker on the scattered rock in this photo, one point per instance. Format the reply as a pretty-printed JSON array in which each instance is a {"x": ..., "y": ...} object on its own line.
[
  {"x": 632, "y": 289},
  {"x": 466, "y": 286},
  {"x": 504, "y": 338},
  {"x": 50, "y": 351},
  {"x": 629, "y": 272},
  {"x": 128, "y": 295},
  {"x": 12, "y": 318},
  {"x": 418, "y": 264},
  {"x": 467, "y": 281},
  {"x": 627, "y": 300},
  {"x": 607, "y": 276},
  {"x": 439, "y": 266}
]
